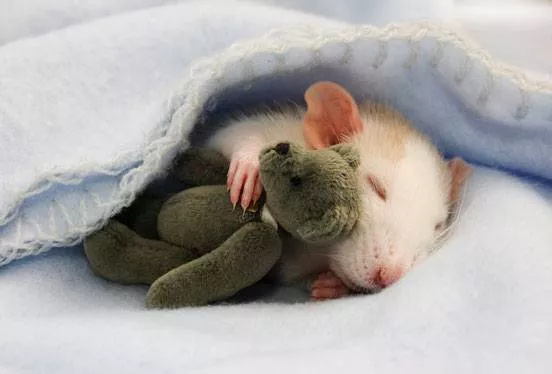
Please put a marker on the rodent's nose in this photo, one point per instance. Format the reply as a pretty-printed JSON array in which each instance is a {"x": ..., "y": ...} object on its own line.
[
  {"x": 282, "y": 148},
  {"x": 386, "y": 276}
]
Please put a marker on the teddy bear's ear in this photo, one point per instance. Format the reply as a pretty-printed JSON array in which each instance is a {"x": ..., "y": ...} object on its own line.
[
  {"x": 332, "y": 115},
  {"x": 348, "y": 153}
]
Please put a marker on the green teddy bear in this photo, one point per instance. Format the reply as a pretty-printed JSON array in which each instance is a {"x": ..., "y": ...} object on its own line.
[{"x": 195, "y": 248}]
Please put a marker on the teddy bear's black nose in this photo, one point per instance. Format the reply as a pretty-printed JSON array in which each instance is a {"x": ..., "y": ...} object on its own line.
[{"x": 282, "y": 148}]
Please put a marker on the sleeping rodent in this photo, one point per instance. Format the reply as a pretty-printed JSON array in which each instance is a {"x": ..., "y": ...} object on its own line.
[{"x": 409, "y": 189}]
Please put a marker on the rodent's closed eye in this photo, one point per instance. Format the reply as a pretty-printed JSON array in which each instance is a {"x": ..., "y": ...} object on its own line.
[{"x": 377, "y": 187}]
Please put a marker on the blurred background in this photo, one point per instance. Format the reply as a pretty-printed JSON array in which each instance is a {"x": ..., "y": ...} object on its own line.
[{"x": 516, "y": 31}]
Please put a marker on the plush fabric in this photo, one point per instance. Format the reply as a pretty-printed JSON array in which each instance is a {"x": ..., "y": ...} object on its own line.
[
  {"x": 205, "y": 249},
  {"x": 93, "y": 112},
  {"x": 480, "y": 304}
]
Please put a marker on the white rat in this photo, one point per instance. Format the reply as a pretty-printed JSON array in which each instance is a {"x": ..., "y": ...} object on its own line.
[{"x": 409, "y": 190}]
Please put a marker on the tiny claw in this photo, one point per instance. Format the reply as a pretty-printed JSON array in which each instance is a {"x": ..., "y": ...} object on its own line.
[
  {"x": 245, "y": 203},
  {"x": 249, "y": 187},
  {"x": 257, "y": 192},
  {"x": 231, "y": 174},
  {"x": 253, "y": 207}
]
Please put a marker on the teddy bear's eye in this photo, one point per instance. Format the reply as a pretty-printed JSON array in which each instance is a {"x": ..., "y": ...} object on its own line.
[{"x": 295, "y": 181}]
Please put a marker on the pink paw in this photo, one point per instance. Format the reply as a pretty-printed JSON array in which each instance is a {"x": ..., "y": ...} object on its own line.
[
  {"x": 328, "y": 286},
  {"x": 244, "y": 182}
]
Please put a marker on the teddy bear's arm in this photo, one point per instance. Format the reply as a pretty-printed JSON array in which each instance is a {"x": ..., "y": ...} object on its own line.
[
  {"x": 119, "y": 254},
  {"x": 200, "y": 167},
  {"x": 243, "y": 259}
]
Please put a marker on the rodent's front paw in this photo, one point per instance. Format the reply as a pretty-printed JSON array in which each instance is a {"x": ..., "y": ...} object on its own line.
[
  {"x": 328, "y": 286},
  {"x": 244, "y": 182}
]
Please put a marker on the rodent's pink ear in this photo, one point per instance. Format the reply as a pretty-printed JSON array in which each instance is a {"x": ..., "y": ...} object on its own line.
[
  {"x": 332, "y": 115},
  {"x": 460, "y": 171}
]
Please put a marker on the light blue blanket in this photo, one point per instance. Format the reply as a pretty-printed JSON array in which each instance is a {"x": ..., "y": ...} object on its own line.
[{"x": 92, "y": 113}]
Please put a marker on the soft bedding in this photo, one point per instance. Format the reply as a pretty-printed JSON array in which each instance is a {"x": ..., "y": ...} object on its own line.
[{"x": 94, "y": 112}]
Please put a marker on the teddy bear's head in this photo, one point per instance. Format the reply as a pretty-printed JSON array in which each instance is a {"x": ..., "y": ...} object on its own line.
[{"x": 313, "y": 194}]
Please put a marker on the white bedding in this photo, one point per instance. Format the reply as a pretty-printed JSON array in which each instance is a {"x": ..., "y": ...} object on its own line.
[
  {"x": 98, "y": 105},
  {"x": 480, "y": 305}
]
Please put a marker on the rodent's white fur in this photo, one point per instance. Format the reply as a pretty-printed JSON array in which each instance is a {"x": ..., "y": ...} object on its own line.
[
  {"x": 255, "y": 131},
  {"x": 392, "y": 234}
]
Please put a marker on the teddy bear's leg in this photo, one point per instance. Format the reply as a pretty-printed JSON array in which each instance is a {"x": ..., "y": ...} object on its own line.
[
  {"x": 242, "y": 260},
  {"x": 201, "y": 167},
  {"x": 141, "y": 215},
  {"x": 117, "y": 253}
]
